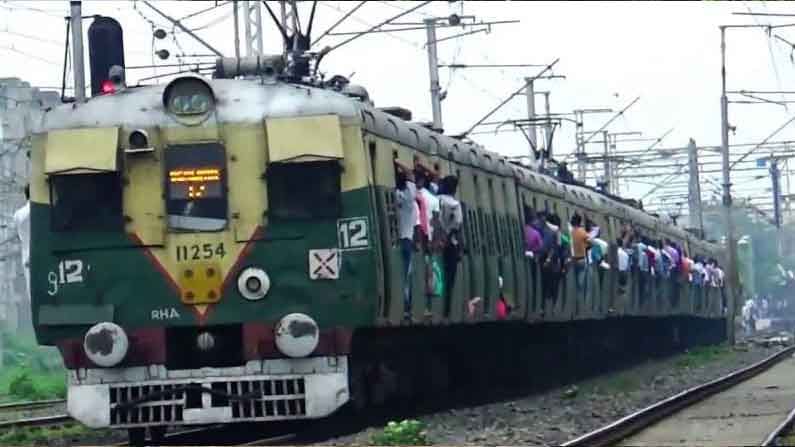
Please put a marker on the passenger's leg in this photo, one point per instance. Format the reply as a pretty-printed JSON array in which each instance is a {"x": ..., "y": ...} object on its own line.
[{"x": 406, "y": 249}]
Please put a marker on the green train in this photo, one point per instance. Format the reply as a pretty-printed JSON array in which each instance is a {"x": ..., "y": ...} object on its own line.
[{"x": 226, "y": 250}]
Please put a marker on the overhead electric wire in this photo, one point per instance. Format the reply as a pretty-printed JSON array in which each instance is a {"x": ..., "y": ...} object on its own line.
[
  {"x": 511, "y": 96},
  {"x": 338, "y": 22},
  {"x": 31, "y": 56},
  {"x": 351, "y": 39},
  {"x": 763, "y": 142}
]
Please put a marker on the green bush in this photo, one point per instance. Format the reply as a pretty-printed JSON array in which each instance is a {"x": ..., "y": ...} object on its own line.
[
  {"x": 30, "y": 372},
  {"x": 22, "y": 386},
  {"x": 407, "y": 432}
]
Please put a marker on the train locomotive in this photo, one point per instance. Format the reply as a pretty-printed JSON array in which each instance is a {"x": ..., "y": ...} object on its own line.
[{"x": 225, "y": 250}]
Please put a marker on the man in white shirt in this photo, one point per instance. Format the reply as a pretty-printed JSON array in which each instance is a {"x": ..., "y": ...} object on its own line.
[
  {"x": 452, "y": 220},
  {"x": 22, "y": 223},
  {"x": 405, "y": 201}
]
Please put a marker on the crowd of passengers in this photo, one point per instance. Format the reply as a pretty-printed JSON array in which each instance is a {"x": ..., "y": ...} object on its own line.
[
  {"x": 557, "y": 251},
  {"x": 430, "y": 222}
]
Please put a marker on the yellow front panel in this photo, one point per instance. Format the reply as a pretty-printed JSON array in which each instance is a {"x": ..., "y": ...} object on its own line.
[
  {"x": 246, "y": 158},
  {"x": 356, "y": 170},
  {"x": 39, "y": 190},
  {"x": 294, "y": 139},
  {"x": 143, "y": 195},
  {"x": 82, "y": 150}
]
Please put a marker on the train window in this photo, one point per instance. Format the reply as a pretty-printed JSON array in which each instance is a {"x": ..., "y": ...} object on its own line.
[
  {"x": 86, "y": 202},
  {"x": 304, "y": 190},
  {"x": 196, "y": 187}
]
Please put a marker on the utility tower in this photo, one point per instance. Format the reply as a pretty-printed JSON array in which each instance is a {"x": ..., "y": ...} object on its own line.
[
  {"x": 290, "y": 22},
  {"x": 252, "y": 15}
]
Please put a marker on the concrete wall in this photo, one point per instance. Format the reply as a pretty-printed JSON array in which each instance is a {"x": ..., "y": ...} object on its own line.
[{"x": 20, "y": 106}]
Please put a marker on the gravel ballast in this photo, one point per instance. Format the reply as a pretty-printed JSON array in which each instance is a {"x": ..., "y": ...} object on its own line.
[{"x": 558, "y": 415}]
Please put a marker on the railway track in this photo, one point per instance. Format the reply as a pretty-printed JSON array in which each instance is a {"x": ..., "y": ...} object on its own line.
[
  {"x": 42, "y": 421},
  {"x": 751, "y": 406},
  {"x": 30, "y": 405},
  {"x": 33, "y": 421}
]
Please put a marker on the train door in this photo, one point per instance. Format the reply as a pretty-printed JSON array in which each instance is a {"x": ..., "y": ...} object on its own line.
[
  {"x": 610, "y": 296},
  {"x": 385, "y": 226},
  {"x": 492, "y": 249},
  {"x": 528, "y": 271},
  {"x": 479, "y": 246},
  {"x": 470, "y": 269},
  {"x": 513, "y": 251},
  {"x": 569, "y": 301}
]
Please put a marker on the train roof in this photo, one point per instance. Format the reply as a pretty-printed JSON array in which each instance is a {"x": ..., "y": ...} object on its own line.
[{"x": 254, "y": 101}]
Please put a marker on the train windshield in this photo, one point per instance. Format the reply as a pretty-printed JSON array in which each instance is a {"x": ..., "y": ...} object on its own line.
[
  {"x": 196, "y": 187},
  {"x": 304, "y": 190}
]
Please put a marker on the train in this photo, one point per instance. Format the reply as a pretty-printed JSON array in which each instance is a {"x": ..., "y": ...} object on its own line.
[{"x": 225, "y": 249}]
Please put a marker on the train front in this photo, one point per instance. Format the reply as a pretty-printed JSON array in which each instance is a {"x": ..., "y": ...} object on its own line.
[{"x": 202, "y": 251}]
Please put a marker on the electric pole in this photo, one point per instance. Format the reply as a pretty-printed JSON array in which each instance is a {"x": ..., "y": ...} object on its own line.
[
  {"x": 76, "y": 22},
  {"x": 547, "y": 126},
  {"x": 608, "y": 188},
  {"x": 775, "y": 176},
  {"x": 531, "y": 115},
  {"x": 579, "y": 136},
  {"x": 430, "y": 24},
  {"x": 433, "y": 69},
  {"x": 236, "y": 19},
  {"x": 696, "y": 211},
  {"x": 727, "y": 198}
]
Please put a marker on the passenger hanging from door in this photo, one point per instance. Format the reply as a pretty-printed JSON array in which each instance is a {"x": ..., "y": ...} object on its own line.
[
  {"x": 432, "y": 236},
  {"x": 451, "y": 220},
  {"x": 580, "y": 245},
  {"x": 551, "y": 264},
  {"x": 405, "y": 201}
]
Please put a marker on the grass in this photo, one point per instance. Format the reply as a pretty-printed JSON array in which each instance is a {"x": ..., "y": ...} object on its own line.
[
  {"x": 28, "y": 436},
  {"x": 631, "y": 380},
  {"x": 30, "y": 372},
  {"x": 702, "y": 355},
  {"x": 407, "y": 432}
]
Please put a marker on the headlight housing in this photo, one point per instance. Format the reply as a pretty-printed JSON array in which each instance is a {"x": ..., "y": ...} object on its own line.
[
  {"x": 106, "y": 344},
  {"x": 188, "y": 96},
  {"x": 297, "y": 335}
]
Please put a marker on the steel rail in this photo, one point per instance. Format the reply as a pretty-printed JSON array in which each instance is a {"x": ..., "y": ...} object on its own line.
[
  {"x": 13, "y": 406},
  {"x": 273, "y": 440},
  {"x": 621, "y": 429},
  {"x": 780, "y": 430},
  {"x": 36, "y": 422}
]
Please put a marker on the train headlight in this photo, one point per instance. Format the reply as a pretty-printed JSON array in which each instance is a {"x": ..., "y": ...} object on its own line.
[
  {"x": 297, "y": 335},
  {"x": 106, "y": 344},
  {"x": 188, "y": 96},
  {"x": 253, "y": 283}
]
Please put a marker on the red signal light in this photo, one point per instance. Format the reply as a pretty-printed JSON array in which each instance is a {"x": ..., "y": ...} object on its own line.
[{"x": 107, "y": 87}]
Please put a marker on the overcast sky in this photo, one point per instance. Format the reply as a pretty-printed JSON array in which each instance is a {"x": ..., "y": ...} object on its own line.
[{"x": 668, "y": 53}]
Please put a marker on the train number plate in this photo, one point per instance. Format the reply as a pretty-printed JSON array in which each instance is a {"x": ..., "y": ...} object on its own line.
[
  {"x": 353, "y": 234},
  {"x": 197, "y": 252}
]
